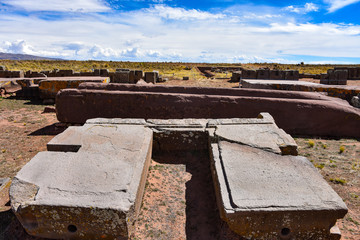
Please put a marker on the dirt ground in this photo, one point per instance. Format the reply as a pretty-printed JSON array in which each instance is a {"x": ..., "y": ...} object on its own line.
[{"x": 179, "y": 201}]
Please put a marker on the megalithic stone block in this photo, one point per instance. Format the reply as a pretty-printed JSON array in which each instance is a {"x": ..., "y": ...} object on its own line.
[
  {"x": 263, "y": 195},
  {"x": 94, "y": 193},
  {"x": 90, "y": 184}
]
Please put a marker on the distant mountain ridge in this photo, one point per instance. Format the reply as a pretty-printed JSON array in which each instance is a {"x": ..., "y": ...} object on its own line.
[{"x": 13, "y": 56}]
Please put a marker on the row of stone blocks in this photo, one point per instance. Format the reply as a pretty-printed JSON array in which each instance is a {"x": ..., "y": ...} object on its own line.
[
  {"x": 353, "y": 72},
  {"x": 265, "y": 74},
  {"x": 301, "y": 113},
  {"x": 120, "y": 76},
  {"x": 90, "y": 183}
]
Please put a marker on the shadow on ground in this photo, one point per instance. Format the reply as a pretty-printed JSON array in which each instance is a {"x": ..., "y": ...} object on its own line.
[
  {"x": 202, "y": 215},
  {"x": 51, "y": 130}
]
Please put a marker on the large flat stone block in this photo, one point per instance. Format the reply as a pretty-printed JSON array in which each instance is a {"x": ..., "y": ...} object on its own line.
[
  {"x": 94, "y": 193},
  {"x": 343, "y": 92},
  {"x": 90, "y": 183},
  {"x": 295, "y": 113},
  {"x": 262, "y": 195},
  {"x": 51, "y": 86}
]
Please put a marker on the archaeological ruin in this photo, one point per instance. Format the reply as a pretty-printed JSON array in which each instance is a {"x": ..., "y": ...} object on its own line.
[
  {"x": 90, "y": 182},
  {"x": 98, "y": 171}
]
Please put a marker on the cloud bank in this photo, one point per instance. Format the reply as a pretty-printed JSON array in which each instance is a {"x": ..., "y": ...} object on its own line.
[{"x": 241, "y": 33}]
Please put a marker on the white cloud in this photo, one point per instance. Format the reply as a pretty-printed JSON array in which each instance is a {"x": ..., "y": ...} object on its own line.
[
  {"x": 257, "y": 59},
  {"x": 59, "y": 5},
  {"x": 145, "y": 35},
  {"x": 308, "y": 7},
  {"x": 182, "y": 14},
  {"x": 338, "y": 4}
]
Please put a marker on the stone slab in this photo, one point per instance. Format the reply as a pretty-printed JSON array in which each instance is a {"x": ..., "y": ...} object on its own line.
[
  {"x": 94, "y": 193},
  {"x": 262, "y": 195},
  {"x": 240, "y": 92},
  {"x": 267, "y": 137},
  {"x": 9, "y": 85},
  {"x": 98, "y": 171},
  {"x": 325, "y": 116},
  {"x": 343, "y": 92},
  {"x": 50, "y": 86},
  {"x": 4, "y": 194}
]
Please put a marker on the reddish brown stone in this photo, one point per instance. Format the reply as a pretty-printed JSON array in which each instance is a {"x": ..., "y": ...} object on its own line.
[{"x": 323, "y": 116}]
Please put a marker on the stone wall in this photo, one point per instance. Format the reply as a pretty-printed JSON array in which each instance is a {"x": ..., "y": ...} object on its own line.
[{"x": 266, "y": 74}]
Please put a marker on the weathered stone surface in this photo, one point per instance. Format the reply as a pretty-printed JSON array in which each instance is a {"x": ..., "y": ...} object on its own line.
[
  {"x": 90, "y": 183},
  {"x": 267, "y": 137},
  {"x": 121, "y": 77},
  {"x": 151, "y": 77},
  {"x": 49, "y": 87},
  {"x": 355, "y": 101},
  {"x": 323, "y": 117},
  {"x": 205, "y": 91},
  {"x": 262, "y": 195},
  {"x": 11, "y": 74},
  {"x": 9, "y": 85},
  {"x": 94, "y": 193},
  {"x": 263, "y": 74},
  {"x": 4, "y": 194},
  {"x": 236, "y": 76},
  {"x": 343, "y": 92}
]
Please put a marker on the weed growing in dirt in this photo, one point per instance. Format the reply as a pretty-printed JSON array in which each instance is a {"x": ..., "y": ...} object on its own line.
[
  {"x": 338, "y": 181},
  {"x": 311, "y": 143},
  {"x": 341, "y": 149},
  {"x": 320, "y": 166},
  {"x": 354, "y": 195},
  {"x": 353, "y": 221}
]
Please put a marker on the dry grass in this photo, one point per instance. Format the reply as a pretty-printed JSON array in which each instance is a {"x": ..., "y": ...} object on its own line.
[{"x": 166, "y": 68}]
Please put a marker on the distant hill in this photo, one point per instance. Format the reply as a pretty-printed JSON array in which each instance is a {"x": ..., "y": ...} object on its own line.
[{"x": 12, "y": 56}]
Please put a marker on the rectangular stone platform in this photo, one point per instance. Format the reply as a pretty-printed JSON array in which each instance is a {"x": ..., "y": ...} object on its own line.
[{"x": 89, "y": 185}]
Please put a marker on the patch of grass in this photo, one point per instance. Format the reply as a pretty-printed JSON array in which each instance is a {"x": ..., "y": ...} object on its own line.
[
  {"x": 320, "y": 166},
  {"x": 338, "y": 181},
  {"x": 341, "y": 149},
  {"x": 311, "y": 143},
  {"x": 353, "y": 221},
  {"x": 354, "y": 195},
  {"x": 324, "y": 146}
]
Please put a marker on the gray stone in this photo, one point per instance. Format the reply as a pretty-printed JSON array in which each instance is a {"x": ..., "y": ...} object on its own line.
[
  {"x": 94, "y": 193},
  {"x": 2, "y": 68},
  {"x": 355, "y": 101},
  {"x": 262, "y": 195},
  {"x": 263, "y": 136},
  {"x": 90, "y": 183},
  {"x": 3, "y": 180}
]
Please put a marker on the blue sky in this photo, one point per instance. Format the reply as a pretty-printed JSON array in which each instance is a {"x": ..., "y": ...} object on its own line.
[{"x": 319, "y": 31}]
